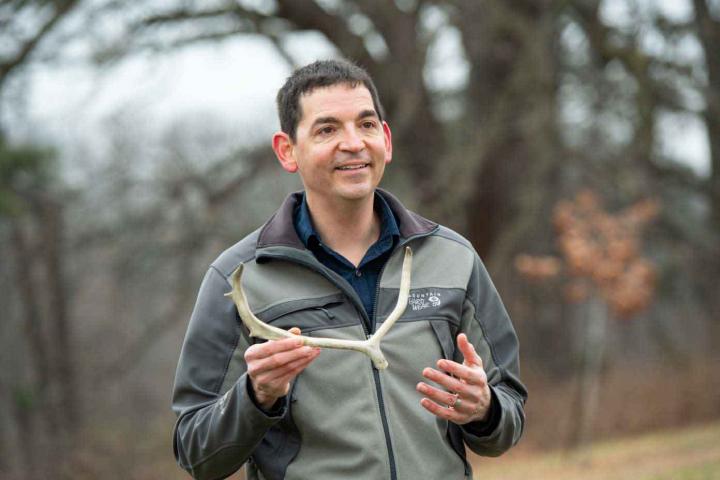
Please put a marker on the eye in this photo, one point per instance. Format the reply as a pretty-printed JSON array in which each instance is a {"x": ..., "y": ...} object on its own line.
[
  {"x": 369, "y": 124},
  {"x": 326, "y": 130}
]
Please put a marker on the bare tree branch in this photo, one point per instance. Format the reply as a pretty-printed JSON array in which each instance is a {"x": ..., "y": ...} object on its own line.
[
  {"x": 310, "y": 16},
  {"x": 63, "y": 8},
  {"x": 192, "y": 239}
]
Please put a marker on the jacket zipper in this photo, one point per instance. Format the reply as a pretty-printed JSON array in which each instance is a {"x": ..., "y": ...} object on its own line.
[
  {"x": 376, "y": 373},
  {"x": 378, "y": 388}
]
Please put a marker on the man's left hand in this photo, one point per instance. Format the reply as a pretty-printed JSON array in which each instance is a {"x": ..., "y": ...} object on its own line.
[{"x": 468, "y": 396}]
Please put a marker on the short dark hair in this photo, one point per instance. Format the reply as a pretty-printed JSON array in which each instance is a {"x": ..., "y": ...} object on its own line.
[{"x": 322, "y": 73}]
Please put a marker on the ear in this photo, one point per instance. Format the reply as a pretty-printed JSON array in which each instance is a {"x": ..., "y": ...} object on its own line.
[
  {"x": 388, "y": 142},
  {"x": 284, "y": 151}
]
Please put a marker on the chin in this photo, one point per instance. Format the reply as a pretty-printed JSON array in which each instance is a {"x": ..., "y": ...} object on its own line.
[{"x": 358, "y": 192}]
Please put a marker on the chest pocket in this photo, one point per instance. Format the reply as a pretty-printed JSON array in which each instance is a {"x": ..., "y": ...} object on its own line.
[{"x": 310, "y": 314}]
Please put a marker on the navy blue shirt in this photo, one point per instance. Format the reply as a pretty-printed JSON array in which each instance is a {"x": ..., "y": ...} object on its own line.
[{"x": 365, "y": 276}]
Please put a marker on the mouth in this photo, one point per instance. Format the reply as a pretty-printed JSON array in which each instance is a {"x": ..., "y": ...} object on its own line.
[{"x": 357, "y": 166}]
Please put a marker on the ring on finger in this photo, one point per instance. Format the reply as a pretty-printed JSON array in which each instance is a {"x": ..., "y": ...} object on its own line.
[{"x": 456, "y": 401}]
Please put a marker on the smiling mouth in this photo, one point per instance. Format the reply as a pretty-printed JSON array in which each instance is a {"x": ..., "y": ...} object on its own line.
[{"x": 353, "y": 167}]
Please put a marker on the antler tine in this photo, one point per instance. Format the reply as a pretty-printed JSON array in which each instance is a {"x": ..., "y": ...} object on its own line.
[
  {"x": 257, "y": 327},
  {"x": 403, "y": 294},
  {"x": 370, "y": 347}
]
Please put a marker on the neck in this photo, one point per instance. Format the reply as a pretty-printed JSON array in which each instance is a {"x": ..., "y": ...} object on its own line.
[{"x": 349, "y": 228}]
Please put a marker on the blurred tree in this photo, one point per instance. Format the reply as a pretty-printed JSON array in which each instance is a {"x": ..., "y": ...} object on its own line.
[
  {"x": 35, "y": 219},
  {"x": 707, "y": 27},
  {"x": 512, "y": 120},
  {"x": 33, "y": 209},
  {"x": 127, "y": 235},
  {"x": 163, "y": 227},
  {"x": 630, "y": 72},
  {"x": 608, "y": 276},
  {"x": 707, "y": 23}
]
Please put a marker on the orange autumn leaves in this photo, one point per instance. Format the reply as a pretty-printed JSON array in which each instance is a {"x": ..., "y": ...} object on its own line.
[{"x": 599, "y": 252}]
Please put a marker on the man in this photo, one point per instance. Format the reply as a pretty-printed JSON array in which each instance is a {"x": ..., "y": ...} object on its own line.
[{"x": 327, "y": 263}]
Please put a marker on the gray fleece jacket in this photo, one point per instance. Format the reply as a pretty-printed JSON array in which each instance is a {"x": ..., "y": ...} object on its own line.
[{"x": 342, "y": 419}]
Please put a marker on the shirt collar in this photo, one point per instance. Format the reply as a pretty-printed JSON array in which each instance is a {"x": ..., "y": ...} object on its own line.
[{"x": 309, "y": 236}]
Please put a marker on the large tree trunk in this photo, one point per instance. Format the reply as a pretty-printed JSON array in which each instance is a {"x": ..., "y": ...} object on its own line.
[
  {"x": 709, "y": 33},
  {"x": 708, "y": 29},
  {"x": 512, "y": 91}
]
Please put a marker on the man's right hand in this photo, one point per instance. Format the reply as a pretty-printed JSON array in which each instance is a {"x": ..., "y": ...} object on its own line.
[{"x": 272, "y": 365}]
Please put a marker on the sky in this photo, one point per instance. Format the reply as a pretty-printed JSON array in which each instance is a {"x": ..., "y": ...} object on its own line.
[{"x": 235, "y": 80}]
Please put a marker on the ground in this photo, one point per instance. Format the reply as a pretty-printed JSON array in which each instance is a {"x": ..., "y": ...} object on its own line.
[{"x": 686, "y": 454}]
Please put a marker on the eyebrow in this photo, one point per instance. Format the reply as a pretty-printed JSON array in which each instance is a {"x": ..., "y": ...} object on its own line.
[
  {"x": 367, "y": 113},
  {"x": 361, "y": 115}
]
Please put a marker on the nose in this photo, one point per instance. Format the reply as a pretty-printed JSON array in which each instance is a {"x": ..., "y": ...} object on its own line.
[{"x": 351, "y": 141}]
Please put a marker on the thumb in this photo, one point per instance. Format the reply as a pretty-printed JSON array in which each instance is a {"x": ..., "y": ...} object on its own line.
[
  {"x": 468, "y": 350},
  {"x": 294, "y": 331}
]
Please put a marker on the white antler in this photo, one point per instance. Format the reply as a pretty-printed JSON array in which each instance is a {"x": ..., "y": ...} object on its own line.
[{"x": 370, "y": 347}]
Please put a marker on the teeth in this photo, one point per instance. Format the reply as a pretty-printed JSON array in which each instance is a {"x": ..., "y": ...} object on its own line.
[{"x": 352, "y": 167}]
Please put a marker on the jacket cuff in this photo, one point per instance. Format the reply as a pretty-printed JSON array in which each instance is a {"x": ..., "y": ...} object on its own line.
[
  {"x": 276, "y": 411},
  {"x": 485, "y": 428}
]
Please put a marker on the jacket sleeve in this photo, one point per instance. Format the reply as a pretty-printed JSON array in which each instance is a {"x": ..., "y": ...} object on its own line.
[
  {"x": 218, "y": 426},
  {"x": 487, "y": 325}
]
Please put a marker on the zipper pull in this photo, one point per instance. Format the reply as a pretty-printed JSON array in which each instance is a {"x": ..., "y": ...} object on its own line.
[{"x": 327, "y": 312}]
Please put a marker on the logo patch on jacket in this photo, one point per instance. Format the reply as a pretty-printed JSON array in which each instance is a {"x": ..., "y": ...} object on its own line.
[{"x": 421, "y": 301}]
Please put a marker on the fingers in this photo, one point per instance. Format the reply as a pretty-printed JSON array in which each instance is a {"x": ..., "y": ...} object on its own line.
[
  {"x": 261, "y": 350},
  {"x": 452, "y": 374},
  {"x": 276, "y": 363},
  {"x": 267, "y": 349},
  {"x": 442, "y": 412},
  {"x": 282, "y": 372},
  {"x": 283, "y": 376},
  {"x": 452, "y": 384},
  {"x": 438, "y": 396},
  {"x": 468, "y": 350}
]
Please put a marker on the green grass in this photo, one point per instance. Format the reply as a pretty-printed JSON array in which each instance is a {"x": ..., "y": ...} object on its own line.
[{"x": 707, "y": 471}]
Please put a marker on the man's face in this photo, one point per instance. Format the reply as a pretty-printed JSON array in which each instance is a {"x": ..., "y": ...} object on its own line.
[{"x": 341, "y": 146}]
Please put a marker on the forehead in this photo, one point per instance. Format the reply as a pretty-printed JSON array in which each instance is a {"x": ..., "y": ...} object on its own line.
[{"x": 335, "y": 101}]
